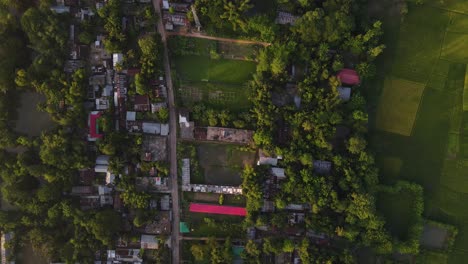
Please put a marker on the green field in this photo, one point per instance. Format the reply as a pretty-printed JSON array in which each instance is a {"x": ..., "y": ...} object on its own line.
[
  {"x": 430, "y": 48},
  {"x": 202, "y": 68}
]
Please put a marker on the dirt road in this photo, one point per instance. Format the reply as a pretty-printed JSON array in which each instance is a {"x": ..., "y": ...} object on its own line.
[{"x": 172, "y": 142}]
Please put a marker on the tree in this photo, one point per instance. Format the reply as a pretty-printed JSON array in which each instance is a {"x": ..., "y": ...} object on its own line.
[
  {"x": 163, "y": 115},
  {"x": 105, "y": 225},
  {"x": 288, "y": 246},
  {"x": 233, "y": 10},
  {"x": 198, "y": 251},
  {"x": 356, "y": 144},
  {"x": 135, "y": 199}
]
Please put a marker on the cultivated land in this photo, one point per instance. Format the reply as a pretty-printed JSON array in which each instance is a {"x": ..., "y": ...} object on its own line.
[{"x": 430, "y": 49}]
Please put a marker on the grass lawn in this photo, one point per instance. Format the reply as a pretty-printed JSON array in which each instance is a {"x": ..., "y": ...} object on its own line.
[
  {"x": 222, "y": 164},
  {"x": 201, "y": 68},
  {"x": 430, "y": 47},
  {"x": 206, "y": 225},
  {"x": 432, "y": 257},
  {"x": 399, "y": 105},
  {"x": 216, "y": 95}
]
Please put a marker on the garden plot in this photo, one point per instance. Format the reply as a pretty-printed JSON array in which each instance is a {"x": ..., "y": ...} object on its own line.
[
  {"x": 399, "y": 105},
  {"x": 217, "y": 95}
]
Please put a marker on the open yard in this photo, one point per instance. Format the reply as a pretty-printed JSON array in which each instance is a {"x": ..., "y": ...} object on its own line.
[
  {"x": 223, "y": 164},
  {"x": 427, "y": 144}
]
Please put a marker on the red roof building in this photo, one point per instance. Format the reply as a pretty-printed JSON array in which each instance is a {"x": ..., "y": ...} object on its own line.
[
  {"x": 93, "y": 126},
  {"x": 217, "y": 209},
  {"x": 349, "y": 76},
  {"x": 142, "y": 103}
]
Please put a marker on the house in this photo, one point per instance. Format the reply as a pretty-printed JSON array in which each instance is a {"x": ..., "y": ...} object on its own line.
[
  {"x": 102, "y": 103},
  {"x": 141, "y": 103},
  {"x": 164, "y": 129},
  {"x": 165, "y": 4},
  {"x": 83, "y": 190},
  {"x": 186, "y": 127},
  {"x": 124, "y": 255},
  {"x": 106, "y": 200},
  {"x": 296, "y": 218},
  {"x": 322, "y": 167},
  {"x": 110, "y": 178},
  {"x": 117, "y": 59},
  {"x": 60, "y": 9},
  {"x": 344, "y": 93},
  {"x": 93, "y": 126},
  {"x": 155, "y": 107},
  {"x": 154, "y": 148},
  {"x": 349, "y": 76},
  {"x": 102, "y": 164},
  {"x": 86, "y": 176},
  {"x": 278, "y": 173},
  {"x": 104, "y": 190},
  {"x": 149, "y": 242},
  {"x": 284, "y": 18},
  {"x": 151, "y": 128},
  {"x": 131, "y": 116},
  {"x": 165, "y": 203},
  {"x": 265, "y": 159}
]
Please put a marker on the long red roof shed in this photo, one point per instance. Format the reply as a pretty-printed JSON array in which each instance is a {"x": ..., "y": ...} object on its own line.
[
  {"x": 349, "y": 76},
  {"x": 217, "y": 209}
]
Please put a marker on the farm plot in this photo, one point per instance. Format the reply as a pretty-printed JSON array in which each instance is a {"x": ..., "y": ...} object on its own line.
[
  {"x": 430, "y": 47},
  {"x": 31, "y": 121},
  {"x": 216, "y": 95},
  {"x": 399, "y": 106},
  {"x": 223, "y": 164}
]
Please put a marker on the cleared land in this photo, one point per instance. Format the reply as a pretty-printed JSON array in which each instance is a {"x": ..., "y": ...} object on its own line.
[
  {"x": 223, "y": 164},
  {"x": 430, "y": 47},
  {"x": 399, "y": 105},
  {"x": 31, "y": 121}
]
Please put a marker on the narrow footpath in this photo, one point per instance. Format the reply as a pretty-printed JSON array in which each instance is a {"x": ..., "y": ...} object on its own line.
[
  {"x": 175, "y": 239},
  {"x": 199, "y": 35}
]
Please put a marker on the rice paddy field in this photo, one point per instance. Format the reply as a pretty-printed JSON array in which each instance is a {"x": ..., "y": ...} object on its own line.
[{"x": 419, "y": 105}]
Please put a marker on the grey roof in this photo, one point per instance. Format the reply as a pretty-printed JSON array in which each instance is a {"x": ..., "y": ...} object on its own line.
[
  {"x": 322, "y": 167},
  {"x": 164, "y": 129},
  {"x": 344, "y": 93},
  {"x": 102, "y": 160},
  {"x": 131, "y": 116},
  {"x": 149, "y": 242},
  {"x": 278, "y": 172},
  {"x": 151, "y": 128}
]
